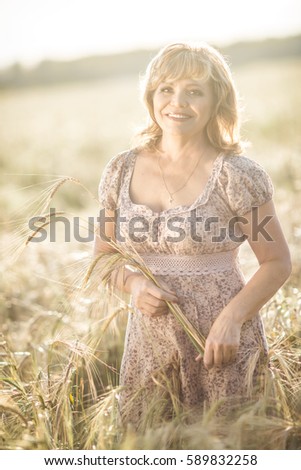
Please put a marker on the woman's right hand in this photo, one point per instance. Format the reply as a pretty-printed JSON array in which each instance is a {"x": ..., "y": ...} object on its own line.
[{"x": 149, "y": 298}]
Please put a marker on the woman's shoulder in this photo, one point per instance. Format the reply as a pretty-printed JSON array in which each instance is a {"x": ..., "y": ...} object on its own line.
[
  {"x": 244, "y": 183},
  {"x": 242, "y": 164},
  {"x": 111, "y": 179},
  {"x": 119, "y": 160}
]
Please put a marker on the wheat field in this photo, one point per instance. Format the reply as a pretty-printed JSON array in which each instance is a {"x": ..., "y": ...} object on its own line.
[{"x": 62, "y": 338}]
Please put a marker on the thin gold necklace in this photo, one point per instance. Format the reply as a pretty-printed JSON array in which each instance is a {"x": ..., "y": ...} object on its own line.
[{"x": 171, "y": 199}]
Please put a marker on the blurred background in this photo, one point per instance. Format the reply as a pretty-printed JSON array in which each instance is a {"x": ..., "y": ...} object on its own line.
[
  {"x": 69, "y": 101},
  {"x": 69, "y": 92}
]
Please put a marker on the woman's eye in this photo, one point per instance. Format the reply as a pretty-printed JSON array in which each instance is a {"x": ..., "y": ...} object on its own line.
[
  {"x": 195, "y": 92},
  {"x": 166, "y": 90}
]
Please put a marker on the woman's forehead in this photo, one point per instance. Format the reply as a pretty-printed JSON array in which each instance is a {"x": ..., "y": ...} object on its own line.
[{"x": 186, "y": 80}]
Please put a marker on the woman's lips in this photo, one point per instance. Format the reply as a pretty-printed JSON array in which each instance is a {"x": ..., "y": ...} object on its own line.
[{"x": 178, "y": 116}]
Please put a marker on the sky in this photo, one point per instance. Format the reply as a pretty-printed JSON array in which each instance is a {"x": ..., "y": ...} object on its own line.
[{"x": 33, "y": 30}]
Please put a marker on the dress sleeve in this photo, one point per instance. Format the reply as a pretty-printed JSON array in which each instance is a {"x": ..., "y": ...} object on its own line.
[
  {"x": 110, "y": 182},
  {"x": 245, "y": 184}
]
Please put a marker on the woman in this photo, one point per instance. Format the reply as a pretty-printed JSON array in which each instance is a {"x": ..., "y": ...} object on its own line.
[{"x": 185, "y": 198}]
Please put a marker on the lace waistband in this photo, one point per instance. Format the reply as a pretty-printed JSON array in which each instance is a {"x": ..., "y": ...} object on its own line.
[{"x": 208, "y": 263}]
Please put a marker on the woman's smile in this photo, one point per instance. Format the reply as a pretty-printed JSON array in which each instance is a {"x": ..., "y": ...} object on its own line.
[{"x": 178, "y": 116}]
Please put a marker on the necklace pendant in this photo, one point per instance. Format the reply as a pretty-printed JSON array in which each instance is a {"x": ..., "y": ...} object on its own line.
[{"x": 170, "y": 199}]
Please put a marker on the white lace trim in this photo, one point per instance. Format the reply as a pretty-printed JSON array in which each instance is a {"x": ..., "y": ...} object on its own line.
[{"x": 185, "y": 265}]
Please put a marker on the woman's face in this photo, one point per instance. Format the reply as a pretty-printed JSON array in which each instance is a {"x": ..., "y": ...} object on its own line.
[{"x": 183, "y": 107}]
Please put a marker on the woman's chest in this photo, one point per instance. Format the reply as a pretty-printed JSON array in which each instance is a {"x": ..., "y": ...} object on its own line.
[
  {"x": 162, "y": 189},
  {"x": 208, "y": 227}
]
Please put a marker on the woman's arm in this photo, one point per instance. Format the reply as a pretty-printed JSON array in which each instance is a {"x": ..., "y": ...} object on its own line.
[
  {"x": 273, "y": 255},
  {"x": 147, "y": 297}
]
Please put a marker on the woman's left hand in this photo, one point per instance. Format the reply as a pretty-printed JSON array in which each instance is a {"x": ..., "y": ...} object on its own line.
[{"x": 222, "y": 342}]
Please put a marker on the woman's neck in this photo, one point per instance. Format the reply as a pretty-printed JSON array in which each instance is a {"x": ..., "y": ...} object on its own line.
[{"x": 176, "y": 149}]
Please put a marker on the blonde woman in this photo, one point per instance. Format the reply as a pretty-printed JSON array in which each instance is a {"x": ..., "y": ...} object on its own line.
[{"x": 186, "y": 198}]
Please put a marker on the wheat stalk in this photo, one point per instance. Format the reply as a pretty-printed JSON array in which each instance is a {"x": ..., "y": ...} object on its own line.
[{"x": 121, "y": 258}]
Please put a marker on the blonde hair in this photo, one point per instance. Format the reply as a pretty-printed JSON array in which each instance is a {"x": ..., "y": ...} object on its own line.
[{"x": 178, "y": 61}]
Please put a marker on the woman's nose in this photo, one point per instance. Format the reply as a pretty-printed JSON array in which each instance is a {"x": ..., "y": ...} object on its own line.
[{"x": 179, "y": 98}]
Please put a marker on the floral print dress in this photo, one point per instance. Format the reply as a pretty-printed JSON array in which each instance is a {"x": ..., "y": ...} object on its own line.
[{"x": 202, "y": 242}]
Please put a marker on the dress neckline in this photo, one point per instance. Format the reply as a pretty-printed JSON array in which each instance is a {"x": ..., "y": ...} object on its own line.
[{"x": 200, "y": 200}]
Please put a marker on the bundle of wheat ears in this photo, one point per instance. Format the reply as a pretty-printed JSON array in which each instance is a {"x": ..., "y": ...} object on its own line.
[{"x": 121, "y": 258}]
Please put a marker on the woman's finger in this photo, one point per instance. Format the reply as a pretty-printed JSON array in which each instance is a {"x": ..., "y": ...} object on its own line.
[
  {"x": 154, "y": 301},
  {"x": 153, "y": 311},
  {"x": 218, "y": 356},
  {"x": 162, "y": 294},
  {"x": 208, "y": 357},
  {"x": 230, "y": 354},
  {"x": 167, "y": 288}
]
